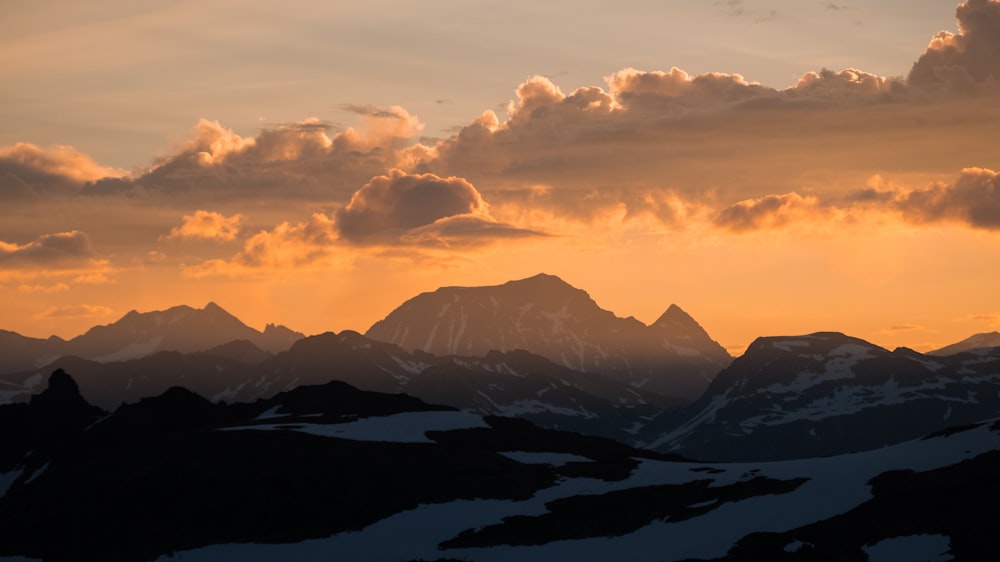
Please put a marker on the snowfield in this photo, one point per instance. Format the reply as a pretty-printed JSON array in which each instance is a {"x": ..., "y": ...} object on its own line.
[{"x": 835, "y": 485}]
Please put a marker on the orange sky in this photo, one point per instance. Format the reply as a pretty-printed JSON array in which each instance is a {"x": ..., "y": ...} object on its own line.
[{"x": 848, "y": 201}]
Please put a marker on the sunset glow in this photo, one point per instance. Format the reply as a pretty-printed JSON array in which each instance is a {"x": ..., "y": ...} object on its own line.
[{"x": 318, "y": 169}]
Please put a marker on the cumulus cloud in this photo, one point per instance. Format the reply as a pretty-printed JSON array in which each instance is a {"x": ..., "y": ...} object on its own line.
[
  {"x": 974, "y": 199},
  {"x": 28, "y": 170},
  {"x": 971, "y": 55},
  {"x": 303, "y": 159},
  {"x": 60, "y": 247},
  {"x": 401, "y": 207},
  {"x": 284, "y": 247},
  {"x": 290, "y": 244},
  {"x": 208, "y": 225}
]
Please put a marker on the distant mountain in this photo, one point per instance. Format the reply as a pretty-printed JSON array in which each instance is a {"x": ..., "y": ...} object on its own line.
[
  {"x": 825, "y": 394},
  {"x": 977, "y": 341},
  {"x": 546, "y": 316},
  {"x": 515, "y": 383},
  {"x": 181, "y": 328},
  {"x": 331, "y": 472}
]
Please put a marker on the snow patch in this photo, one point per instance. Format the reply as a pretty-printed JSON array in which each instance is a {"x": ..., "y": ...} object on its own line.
[
  {"x": 787, "y": 345},
  {"x": 407, "y": 427},
  {"x": 913, "y": 548},
  {"x": 7, "y": 479},
  {"x": 554, "y": 459}
]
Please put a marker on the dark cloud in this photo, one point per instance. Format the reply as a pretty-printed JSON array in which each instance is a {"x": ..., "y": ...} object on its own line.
[
  {"x": 27, "y": 170},
  {"x": 401, "y": 207},
  {"x": 59, "y": 247},
  {"x": 969, "y": 56},
  {"x": 974, "y": 199}
]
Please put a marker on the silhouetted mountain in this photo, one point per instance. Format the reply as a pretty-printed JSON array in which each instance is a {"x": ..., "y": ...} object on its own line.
[
  {"x": 176, "y": 471},
  {"x": 51, "y": 417},
  {"x": 136, "y": 334},
  {"x": 514, "y": 383},
  {"x": 824, "y": 394},
  {"x": 548, "y": 317},
  {"x": 332, "y": 472},
  {"x": 976, "y": 341}
]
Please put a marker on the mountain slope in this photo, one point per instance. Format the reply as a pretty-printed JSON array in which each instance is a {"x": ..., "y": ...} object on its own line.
[
  {"x": 548, "y": 317},
  {"x": 976, "y": 341},
  {"x": 827, "y": 393},
  {"x": 334, "y": 473}
]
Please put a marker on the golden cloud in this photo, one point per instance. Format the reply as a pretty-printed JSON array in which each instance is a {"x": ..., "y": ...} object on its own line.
[{"x": 208, "y": 225}]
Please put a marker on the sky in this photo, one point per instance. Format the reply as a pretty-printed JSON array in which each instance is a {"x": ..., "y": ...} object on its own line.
[{"x": 772, "y": 167}]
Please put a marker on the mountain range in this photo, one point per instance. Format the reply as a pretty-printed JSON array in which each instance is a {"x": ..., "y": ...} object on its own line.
[
  {"x": 332, "y": 472},
  {"x": 181, "y": 328},
  {"x": 502, "y": 350},
  {"x": 492, "y": 423}
]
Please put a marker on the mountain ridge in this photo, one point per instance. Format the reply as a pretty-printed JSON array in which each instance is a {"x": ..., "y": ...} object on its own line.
[
  {"x": 137, "y": 334},
  {"x": 547, "y": 316}
]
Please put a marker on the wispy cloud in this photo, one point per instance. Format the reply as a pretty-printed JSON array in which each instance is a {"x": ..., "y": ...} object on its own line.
[{"x": 74, "y": 311}]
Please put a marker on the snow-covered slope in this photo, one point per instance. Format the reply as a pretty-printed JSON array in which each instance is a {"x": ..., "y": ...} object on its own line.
[
  {"x": 827, "y": 393},
  {"x": 548, "y": 317},
  {"x": 334, "y": 473}
]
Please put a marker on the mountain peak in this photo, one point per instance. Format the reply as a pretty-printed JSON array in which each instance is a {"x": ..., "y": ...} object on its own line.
[
  {"x": 975, "y": 341},
  {"x": 546, "y": 316},
  {"x": 540, "y": 278},
  {"x": 675, "y": 316},
  {"x": 62, "y": 389}
]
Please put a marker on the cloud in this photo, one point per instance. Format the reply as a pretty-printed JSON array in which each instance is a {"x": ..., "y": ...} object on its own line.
[
  {"x": 973, "y": 199},
  {"x": 971, "y": 55},
  {"x": 290, "y": 245},
  {"x": 45, "y": 289},
  {"x": 74, "y": 311},
  {"x": 28, "y": 170},
  {"x": 401, "y": 207},
  {"x": 208, "y": 225},
  {"x": 902, "y": 328},
  {"x": 60, "y": 247},
  {"x": 285, "y": 247},
  {"x": 993, "y": 319},
  {"x": 772, "y": 211},
  {"x": 464, "y": 230},
  {"x": 299, "y": 160}
]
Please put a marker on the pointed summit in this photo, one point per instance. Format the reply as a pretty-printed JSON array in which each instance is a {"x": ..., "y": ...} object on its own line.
[{"x": 675, "y": 319}]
